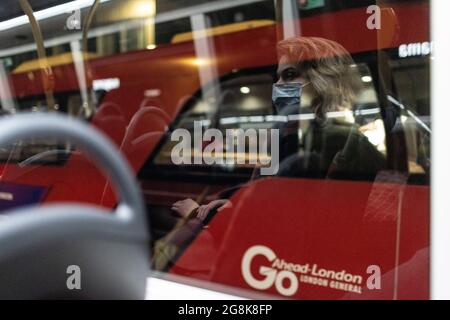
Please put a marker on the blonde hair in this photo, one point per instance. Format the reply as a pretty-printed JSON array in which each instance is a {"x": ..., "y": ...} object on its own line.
[{"x": 327, "y": 66}]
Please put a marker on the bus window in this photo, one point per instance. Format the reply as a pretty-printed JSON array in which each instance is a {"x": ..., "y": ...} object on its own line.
[
  {"x": 245, "y": 102},
  {"x": 411, "y": 81},
  {"x": 39, "y": 152}
]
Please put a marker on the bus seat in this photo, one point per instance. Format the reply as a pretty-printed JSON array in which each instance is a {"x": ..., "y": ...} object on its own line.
[
  {"x": 111, "y": 121},
  {"x": 145, "y": 130}
]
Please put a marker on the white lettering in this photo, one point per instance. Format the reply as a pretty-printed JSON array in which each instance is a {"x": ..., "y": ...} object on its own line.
[
  {"x": 210, "y": 148},
  {"x": 374, "y": 21},
  {"x": 374, "y": 281}
]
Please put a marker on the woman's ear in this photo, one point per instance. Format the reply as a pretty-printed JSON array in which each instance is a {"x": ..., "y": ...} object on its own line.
[{"x": 310, "y": 91}]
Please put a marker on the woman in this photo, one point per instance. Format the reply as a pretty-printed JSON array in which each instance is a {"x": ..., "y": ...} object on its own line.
[{"x": 324, "y": 72}]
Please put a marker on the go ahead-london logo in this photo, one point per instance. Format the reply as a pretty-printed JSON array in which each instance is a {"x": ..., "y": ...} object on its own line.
[{"x": 286, "y": 277}]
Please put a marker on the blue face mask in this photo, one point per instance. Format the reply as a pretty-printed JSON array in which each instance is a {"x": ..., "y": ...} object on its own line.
[{"x": 286, "y": 94}]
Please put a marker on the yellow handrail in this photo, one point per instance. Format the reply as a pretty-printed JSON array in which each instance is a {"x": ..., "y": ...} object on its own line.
[
  {"x": 229, "y": 28},
  {"x": 53, "y": 61},
  {"x": 47, "y": 75}
]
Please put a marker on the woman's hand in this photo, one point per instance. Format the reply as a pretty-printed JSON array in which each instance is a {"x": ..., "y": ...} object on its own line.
[
  {"x": 204, "y": 210},
  {"x": 184, "y": 207}
]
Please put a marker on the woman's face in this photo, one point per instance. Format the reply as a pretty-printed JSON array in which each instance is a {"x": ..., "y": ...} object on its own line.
[{"x": 289, "y": 72}]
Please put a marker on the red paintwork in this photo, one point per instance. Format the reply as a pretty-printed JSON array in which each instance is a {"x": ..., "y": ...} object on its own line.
[
  {"x": 323, "y": 222},
  {"x": 336, "y": 225}
]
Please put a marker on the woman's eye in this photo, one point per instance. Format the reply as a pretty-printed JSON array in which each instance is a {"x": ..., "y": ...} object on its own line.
[{"x": 290, "y": 75}]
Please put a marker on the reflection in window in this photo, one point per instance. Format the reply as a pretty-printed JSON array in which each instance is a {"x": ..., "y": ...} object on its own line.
[{"x": 245, "y": 103}]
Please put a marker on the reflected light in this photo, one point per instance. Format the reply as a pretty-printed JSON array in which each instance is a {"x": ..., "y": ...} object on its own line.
[
  {"x": 61, "y": 9},
  {"x": 106, "y": 84},
  {"x": 146, "y": 8},
  {"x": 366, "y": 79},
  {"x": 245, "y": 90},
  {"x": 163, "y": 289},
  {"x": 199, "y": 62},
  {"x": 152, "y": 93},
  {"x": 252, "y": 103},
  {"x": 151, "y": 46},
  {"x": 6, "y": 196},
  {"x": 376, "y": 134}
]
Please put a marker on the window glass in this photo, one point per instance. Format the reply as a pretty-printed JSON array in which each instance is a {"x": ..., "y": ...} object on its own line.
[{"x": 282, "y": 147}]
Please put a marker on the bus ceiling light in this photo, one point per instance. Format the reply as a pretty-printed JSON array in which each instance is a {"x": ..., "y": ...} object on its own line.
[
  {"x": 65, "y": 8},
  {"x": 146, "y": 8},
  {"x": 245, "y": 90},
  {"x": 106, "y": 84},
  {"x": 152, "y": 93},
  {"x": 366, "y": 79}
]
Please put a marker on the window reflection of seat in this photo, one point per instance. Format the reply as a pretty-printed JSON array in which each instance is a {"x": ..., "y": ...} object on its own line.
[
  {"x": 109, "y": 119},
  {"x": 143, "y": 133},
  {"x": 412, "y": 142}
]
